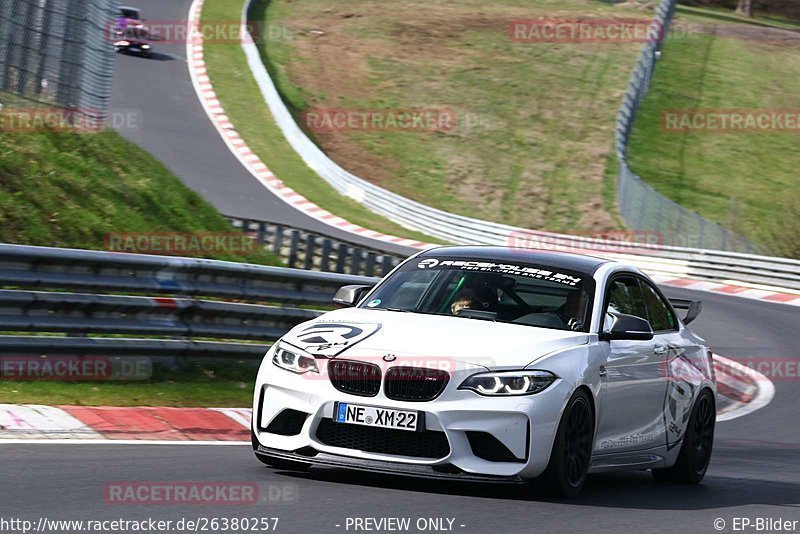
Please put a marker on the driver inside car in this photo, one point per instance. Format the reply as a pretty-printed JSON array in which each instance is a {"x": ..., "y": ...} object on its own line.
[
  {"x": 573, "y": 310},
  {"x": 467, "y": 301}
]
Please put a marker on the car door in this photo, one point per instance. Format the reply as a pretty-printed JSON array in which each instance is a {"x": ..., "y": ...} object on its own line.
[
  {"x": 682, "y": 363},
  {"x": 631, "y": 411}
]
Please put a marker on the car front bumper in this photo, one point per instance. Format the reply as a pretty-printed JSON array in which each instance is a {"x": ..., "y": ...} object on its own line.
[{"x": 487, "y": 438}]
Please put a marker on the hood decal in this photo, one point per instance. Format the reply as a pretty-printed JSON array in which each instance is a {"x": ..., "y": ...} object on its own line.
[{"x": 330, "y": 338}]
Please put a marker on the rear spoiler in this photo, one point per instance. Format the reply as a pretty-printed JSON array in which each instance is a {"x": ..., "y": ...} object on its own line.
[{"x": 693, "y": 307}]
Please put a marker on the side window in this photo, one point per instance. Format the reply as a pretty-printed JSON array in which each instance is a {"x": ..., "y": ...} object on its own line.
[
  {"x": 625, "y": 296},
  {"x": 660, "y": 316}
]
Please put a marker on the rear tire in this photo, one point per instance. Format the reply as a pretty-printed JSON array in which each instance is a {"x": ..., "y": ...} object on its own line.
[
  {"x": 568, "y": 468},
  {"x": 698, "y": 443}
]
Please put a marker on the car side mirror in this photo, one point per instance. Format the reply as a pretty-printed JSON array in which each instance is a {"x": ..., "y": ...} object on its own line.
[
  {"x": 347, "y": 296},
  {"x": 628, "y": 327}
]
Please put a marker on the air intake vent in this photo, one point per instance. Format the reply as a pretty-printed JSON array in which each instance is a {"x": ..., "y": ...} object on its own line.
[
  {"x": 415, "y": 384},
  {"x": 424, "y": 444},
  {"x": 287, "y": 423},
  {"x": 355, "y": 378},
  {"x": 488, "y": 447}
]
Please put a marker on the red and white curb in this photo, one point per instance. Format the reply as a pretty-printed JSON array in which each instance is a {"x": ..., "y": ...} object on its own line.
[
  {"x": 239, "y": 148},
  {"x": 731, "y": 289},
  {"x": 27, "y": 423},
  {"x": 741, "y": 391}
]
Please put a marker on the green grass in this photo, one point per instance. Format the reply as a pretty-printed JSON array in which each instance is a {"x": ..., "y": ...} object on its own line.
[
  {"x": 242, "y": 101},
  {"x": 534, "y": 121},
  {"x": 70, "y": 189},
  {"x": 726, "y": 16},
  {"x": 746, "y": 181},
  {"x": 219, "y": 386}
]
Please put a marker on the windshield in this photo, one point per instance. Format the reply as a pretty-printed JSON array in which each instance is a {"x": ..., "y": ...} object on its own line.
[
  {"x": 524, "y": 294},
  {"x": 129, "y": 13}
]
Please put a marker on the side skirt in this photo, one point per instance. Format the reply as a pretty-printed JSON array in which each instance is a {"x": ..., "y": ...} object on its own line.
[{"x": 647, "y": 459}]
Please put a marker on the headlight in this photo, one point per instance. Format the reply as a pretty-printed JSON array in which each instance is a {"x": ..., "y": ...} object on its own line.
[
  {"x": 291, "y": 359},
  {"x": 509, "y": 383}
]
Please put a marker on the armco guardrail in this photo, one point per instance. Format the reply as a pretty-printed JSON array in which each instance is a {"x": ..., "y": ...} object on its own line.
[
  {"x": 262, "y": 303},
  {"x": 317, "y": 252},
  {"x": 311, "y": 251},
  {"x": 204, "y": 308},
  {"x": 457, "y": 229},
  {"x": 641, "y": 206}
]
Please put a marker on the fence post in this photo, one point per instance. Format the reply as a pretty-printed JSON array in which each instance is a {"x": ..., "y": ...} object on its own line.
[
  {"x": 24, "y": 68},
  {"x": 9, "y": 31},
  {"x": 311, "y": 243},
  {"x": 277, "y": 243},
  {"x": 386, "y": 264},
  {"x": 261, "y": 234},
  {"x": 326, "y": 255},
  {"x": 44, "y": 43},
  {"x": 355, "y": 260},
  {"x": 369, "y": 270},
  {"x": 71, "y": 56},
  {"x": 341, "y": 257},
  {"x": 293, "y": 248}
]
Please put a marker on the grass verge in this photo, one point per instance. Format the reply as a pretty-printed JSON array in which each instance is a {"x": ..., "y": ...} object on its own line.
[
  {"x": 534, "y": 121},
  {"x": 744, "y": 180},
  {"x": 218, "y": 386},
  {"x": 242, "y": 101},
  {"x": 69, "y": 189}
]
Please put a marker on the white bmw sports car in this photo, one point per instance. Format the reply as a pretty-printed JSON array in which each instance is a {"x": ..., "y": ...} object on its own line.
[{"x": 493, "y": 364}]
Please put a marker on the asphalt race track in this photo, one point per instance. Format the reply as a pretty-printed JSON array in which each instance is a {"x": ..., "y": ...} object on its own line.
[
  {"x": 755, "y": 471},
  {"x": 170, "y": 123}
]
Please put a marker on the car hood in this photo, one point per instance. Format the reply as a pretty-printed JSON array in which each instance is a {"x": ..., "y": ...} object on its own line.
[{"x": 374, "y": 334}]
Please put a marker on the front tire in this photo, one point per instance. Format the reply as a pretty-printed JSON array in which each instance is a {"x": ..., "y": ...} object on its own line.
[
  {"x": 568, "y": 468},
  {"x": 698, "y": 442}
]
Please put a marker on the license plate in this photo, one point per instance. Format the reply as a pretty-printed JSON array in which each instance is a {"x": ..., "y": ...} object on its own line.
[{"x": 358, "y": 414}]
